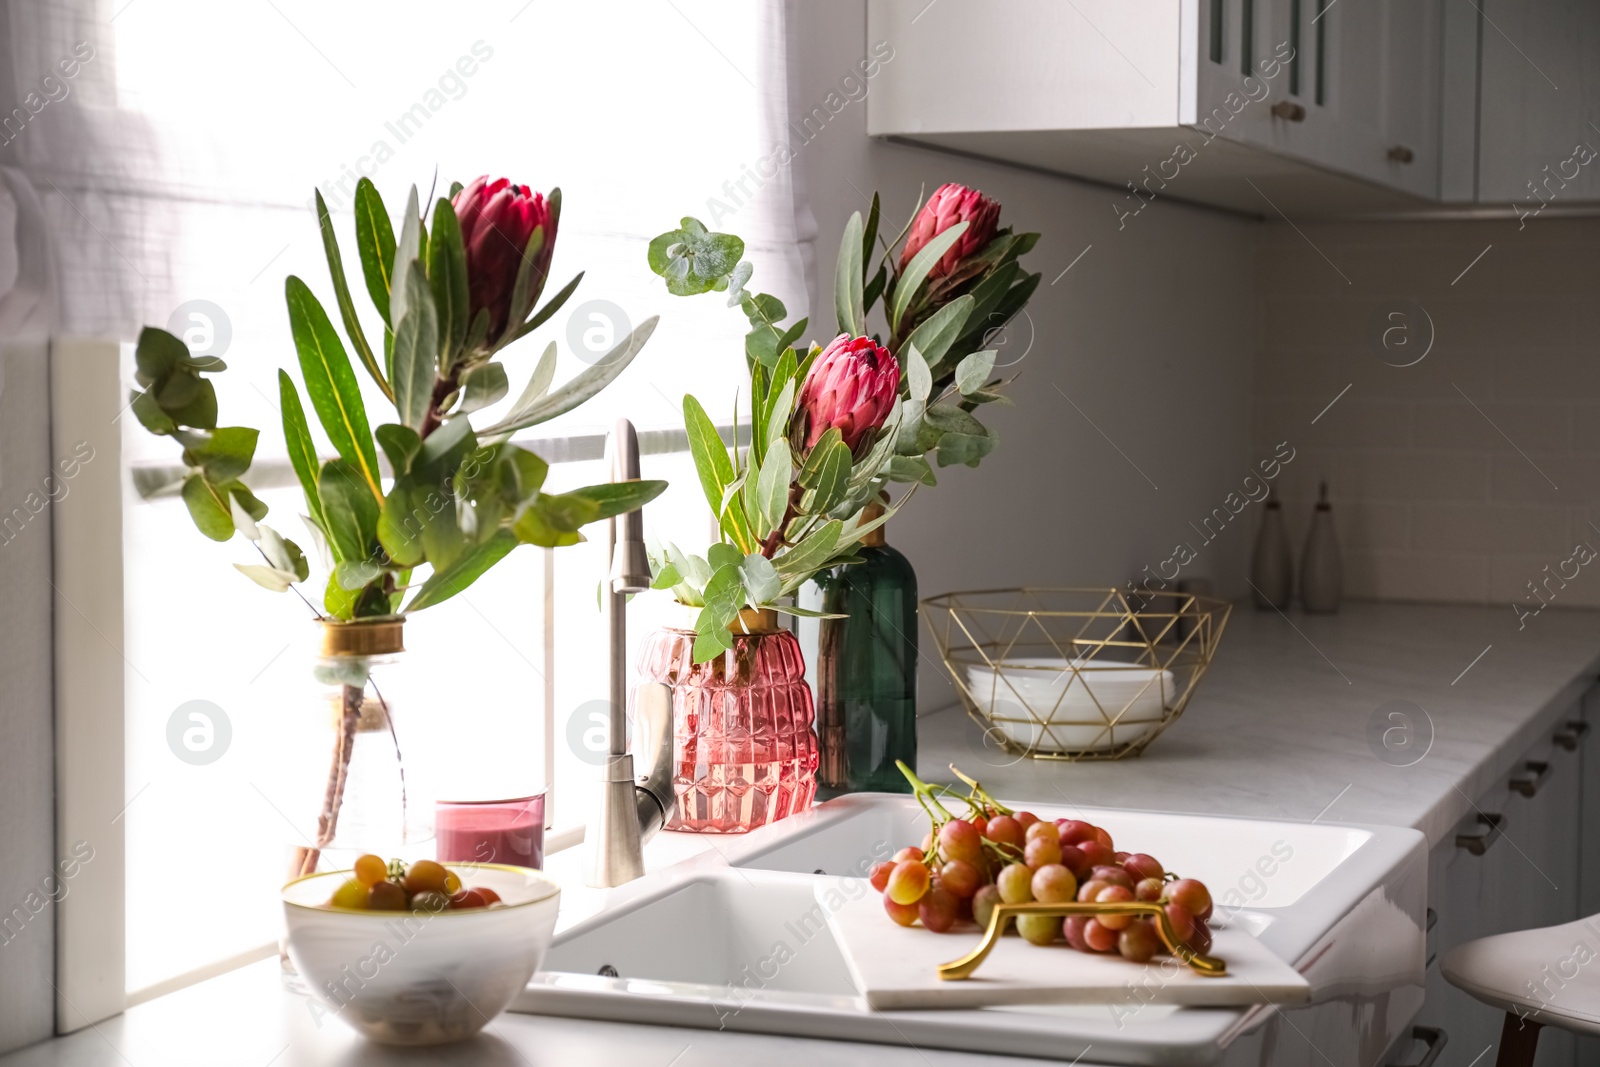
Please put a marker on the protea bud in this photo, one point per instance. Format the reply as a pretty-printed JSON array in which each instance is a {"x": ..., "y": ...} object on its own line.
[
  {"x": 852, "y": 385},
  {"x": 950, "y": 204},
  {"x": 497, "y": 219}
]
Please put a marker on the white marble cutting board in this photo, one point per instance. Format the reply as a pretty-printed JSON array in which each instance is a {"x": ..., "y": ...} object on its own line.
[{"x": 894, "y": 968}]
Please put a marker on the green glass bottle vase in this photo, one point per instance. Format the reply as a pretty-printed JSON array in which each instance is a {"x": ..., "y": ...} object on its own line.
[{"x": 867, "y": 672}]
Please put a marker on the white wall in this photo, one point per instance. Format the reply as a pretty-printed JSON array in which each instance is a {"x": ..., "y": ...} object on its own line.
[{"x": 1149, "y": 334}]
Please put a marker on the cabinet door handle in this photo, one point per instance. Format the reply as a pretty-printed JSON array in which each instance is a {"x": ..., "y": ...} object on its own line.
[
  {"x": 1401, "y": 154},
  {"x": 1433, "y": 920},
  {"x": 1571, "y": 733},
  {"x": 1288, "y": 109},
  {"x": 1478, "y": 844},
  {"x": 1434, "y": 1038},
  {"x": 1533, "y": 776}
]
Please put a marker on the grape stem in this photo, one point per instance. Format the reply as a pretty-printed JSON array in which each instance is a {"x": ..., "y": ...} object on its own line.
[{"x": 979, "y": 792}]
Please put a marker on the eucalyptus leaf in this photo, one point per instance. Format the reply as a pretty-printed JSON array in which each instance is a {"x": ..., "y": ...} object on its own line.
[
  {"x": 242, "y": 520},
  {"x": 964, "y": 448},
  {"x": 954, "y": 420},
  {"x": 692, "y": 259},
  {"x": 919, "y": 380},
  {"x": 911, "y": 469},
  {"x": 266, "y": 577},
  {"x": 973, "y": 371},
  {"x": 761, "y": 581},
  {"x": 208, "y": 507},
  {"x": 721, "y": 556}
]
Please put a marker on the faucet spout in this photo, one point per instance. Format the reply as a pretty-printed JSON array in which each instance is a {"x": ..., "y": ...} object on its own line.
[{"x": 631, "y": 810}]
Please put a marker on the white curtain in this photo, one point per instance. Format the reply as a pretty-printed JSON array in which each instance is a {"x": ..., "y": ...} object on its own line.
[{"x": 158, "y": 162}]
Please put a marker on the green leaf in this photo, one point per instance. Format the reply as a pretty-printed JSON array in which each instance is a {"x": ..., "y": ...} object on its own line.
[
  {"x": 973, "y": 371},
  {"x": 224, "y": 454},
  {"x": 406, "y": 251},
  {"x": 245, "y": 498},
  {"x": 964, "y": 448},
  {"x": 350, "y": 510},
  {"x": 400, "y": 444},
  {"x": 353, "y": 574},
  {"x": 869, "y": 236},
  {"x": 341, "y": 292},
  {"x": 715, "y": 467},
  {"x": 209, "y": 508},
  {"x": 243, "y": 521},
  {"x": 772, "y": 488},
  {"x": 465, "y": 570},
  {"x": 416, "y": 347},
  {"x": 266, "y": 577},
  {"x": 761, "y": 581},
  {"x": 533, "y": 527},
  {"x": 710, "y": 642},
  {"x": 442, "y": 537},
  {"x": 302, "y": 453},
  {"x": 447, "y": 274},
  {"x": 934, "y": 337},
  {"x": 585, "y": 385},
  {"x": 847, "y": 297},
  {"x": 551, "y": 306},
  {"x": 150, "y": 415},
  {"x": 777, "y": 419},
  {"x": 911, "y": 469},
  {"x": 331, "y": 382},
  {"x": 157, "y": 354},
  {"x": 483, "y": 385},
  {"x": 953, "y": 420},
  {"x": 826, "y": 473},
  {"x": 543, "y": 374},
  {"x": 337, "y": 601},
  {"x": 804, "y": 613},
  {"x": 188, "y": 400},
  {"x": 283, "y": 554},
  {"x": 578, "y": 508},
  {"x": 374, "y": 243},
  {"x": 916, "y": 272},
  {"x": 692, "y": 259},
  {"x": 401, "y": 523},
  {"x": 919, "y": 379},
  {"x": 722, "y": 555},
  {"x": 527, "y": 285},
  {"x": 812, "y": 552}
]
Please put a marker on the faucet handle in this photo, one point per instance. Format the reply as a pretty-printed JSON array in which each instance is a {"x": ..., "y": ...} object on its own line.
[{"x": 652, "y": 736}]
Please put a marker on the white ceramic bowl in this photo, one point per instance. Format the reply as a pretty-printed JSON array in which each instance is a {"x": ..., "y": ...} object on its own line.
[
  {"x": 415, "y": 978},
  {"x": 1075, "y": 710}
]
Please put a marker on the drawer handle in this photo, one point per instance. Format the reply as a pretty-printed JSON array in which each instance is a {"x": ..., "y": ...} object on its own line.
[
  {"x": 1401, "y": 154},
  {"x": 1529, "y": 783},
  {"x": 1433, "y": 920},
  {"x": 1571, "y": 733},
  {"x": 1434, "y": 1038},
  {"x": 1478, "y": 844},
  {"x": 1288, "y": 109}
]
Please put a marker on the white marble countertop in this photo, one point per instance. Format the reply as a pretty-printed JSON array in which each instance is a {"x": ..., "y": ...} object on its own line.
[{"x": 1279, "y": 728}]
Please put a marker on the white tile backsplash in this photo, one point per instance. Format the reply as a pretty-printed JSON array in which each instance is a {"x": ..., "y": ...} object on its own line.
[{"x": 1440, "y": 473}]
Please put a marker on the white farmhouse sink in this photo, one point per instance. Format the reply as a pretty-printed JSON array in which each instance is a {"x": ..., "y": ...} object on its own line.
[{"x": 740, "y": 941}]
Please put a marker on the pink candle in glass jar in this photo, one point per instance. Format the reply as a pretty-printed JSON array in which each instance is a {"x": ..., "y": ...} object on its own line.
[{"x": 490, "y": 831}]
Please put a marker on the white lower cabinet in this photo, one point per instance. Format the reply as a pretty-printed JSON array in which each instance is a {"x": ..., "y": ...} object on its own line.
[{"x": 1528, "y": 855}]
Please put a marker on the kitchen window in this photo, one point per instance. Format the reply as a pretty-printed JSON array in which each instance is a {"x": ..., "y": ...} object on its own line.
[{"x": 501, "y": 701}]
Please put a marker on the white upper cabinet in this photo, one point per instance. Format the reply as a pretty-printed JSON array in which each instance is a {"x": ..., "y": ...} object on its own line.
[
  {"x": 1309, "y": 107},
  {"x": 1541, "y": 103}
]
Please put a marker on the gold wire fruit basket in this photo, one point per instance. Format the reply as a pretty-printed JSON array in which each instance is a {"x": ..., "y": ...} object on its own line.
[{"x": 1075, "y": 673}]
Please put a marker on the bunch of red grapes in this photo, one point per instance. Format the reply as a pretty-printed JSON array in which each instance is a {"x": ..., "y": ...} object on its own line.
[{"x": 968, "y": 865}]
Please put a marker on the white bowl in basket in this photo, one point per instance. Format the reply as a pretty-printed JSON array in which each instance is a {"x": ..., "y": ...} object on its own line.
[
  {"x": 1101, "y": 706},
  {"x": 420, "y": 978}
]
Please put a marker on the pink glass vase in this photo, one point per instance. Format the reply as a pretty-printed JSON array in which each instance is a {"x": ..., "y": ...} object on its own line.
[{"x": 744, "y": 748}]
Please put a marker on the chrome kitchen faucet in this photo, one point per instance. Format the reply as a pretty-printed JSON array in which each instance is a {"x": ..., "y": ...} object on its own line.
[{"x": 631, "y": 809}]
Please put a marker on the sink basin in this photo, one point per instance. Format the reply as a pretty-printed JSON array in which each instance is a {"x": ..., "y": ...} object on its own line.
[{"x": 741, "y": 940}]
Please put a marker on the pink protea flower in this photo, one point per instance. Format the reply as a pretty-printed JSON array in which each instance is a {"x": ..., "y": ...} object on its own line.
[
  {"x": 950, "y": 204},
  {"x": 852, "y": 385},
  {"x": 497, "y": 218}
]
